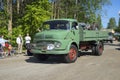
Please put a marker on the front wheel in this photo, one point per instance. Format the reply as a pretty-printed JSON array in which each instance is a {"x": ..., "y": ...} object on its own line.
[{"x": 72, "y": 55}]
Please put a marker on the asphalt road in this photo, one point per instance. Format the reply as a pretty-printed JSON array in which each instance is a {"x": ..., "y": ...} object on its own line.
[{"x": 87, "y": 67}]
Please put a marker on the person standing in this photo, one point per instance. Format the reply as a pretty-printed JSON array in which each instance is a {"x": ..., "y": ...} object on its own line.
[
  {"x": 19, "y": 41},
  {"x": 27, "y": 44},
  {"x": 2, "y": 41},
  {"x": 27, "y": 41}
]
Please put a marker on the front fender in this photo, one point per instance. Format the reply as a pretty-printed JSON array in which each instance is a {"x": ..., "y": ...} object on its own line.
[{"x": 70, "y": 43}]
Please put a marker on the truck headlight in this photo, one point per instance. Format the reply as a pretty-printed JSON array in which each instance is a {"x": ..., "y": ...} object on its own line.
[
  {"x": 57, "y": 44},
  {"x": 50, "y": 46}
]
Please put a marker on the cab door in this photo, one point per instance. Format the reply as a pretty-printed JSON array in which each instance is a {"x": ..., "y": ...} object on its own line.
[{"x": 75, "y": 32}]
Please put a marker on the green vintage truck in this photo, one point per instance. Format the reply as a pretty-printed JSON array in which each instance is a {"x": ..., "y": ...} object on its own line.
[{"x": 65, "y": 38}]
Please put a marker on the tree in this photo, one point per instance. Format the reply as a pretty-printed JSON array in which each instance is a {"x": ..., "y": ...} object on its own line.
[
  {"x": 9, "y": 11},
  {"x": 36, "y": 13},
  {"x": 118, "y": 28},
  {"x": 119, "y": 23},
  {"x": 28, "y": 15},
  {"x": 82, "y": 10},
  {"x": 99, "y": 22},
  {"x": 6, "y": 15},
  {"x": 4, "y": 18},
  {"x": 112, "y": 23}
]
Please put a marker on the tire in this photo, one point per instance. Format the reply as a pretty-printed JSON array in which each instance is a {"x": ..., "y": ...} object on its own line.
[
  {"x": 111, "y": 41},
  {"x": 72, "y": 55},
  {"x": 94, "y": 50},
  {"x": 99, "y": 49},
  {"x": 41, "y": 57}
]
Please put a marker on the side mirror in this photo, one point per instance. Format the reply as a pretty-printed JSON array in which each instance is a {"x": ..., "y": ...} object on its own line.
[{"x": 75, "y": 28}]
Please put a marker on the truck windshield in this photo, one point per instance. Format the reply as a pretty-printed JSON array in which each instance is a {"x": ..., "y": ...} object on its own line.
[{"x": 57, "y": 24}]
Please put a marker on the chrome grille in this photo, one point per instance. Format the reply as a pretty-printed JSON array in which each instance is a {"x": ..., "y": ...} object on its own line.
[{"x": 42, "y": 44}]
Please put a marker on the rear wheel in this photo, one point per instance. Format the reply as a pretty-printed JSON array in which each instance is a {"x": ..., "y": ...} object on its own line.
[
  {"x": 94, "y": 50},
  {"x": 72, "y": 55},
  {"x": 111, "y": 41},
  {"x": 99, "y": 49}
]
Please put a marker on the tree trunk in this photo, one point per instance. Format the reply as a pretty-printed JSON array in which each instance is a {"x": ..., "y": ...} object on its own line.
[
  {"x": 9, "y": 11},
  {"x": 18, "y": 6}
]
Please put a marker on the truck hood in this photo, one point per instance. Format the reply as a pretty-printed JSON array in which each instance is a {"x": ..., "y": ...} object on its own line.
[{"x": 52, "y": 34}]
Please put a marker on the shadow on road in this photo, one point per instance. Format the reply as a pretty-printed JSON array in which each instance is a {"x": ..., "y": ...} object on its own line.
[
  {"x": 117, "y": 48},
  {"x": 54, "y": 59},
  {"x": 50, "y": 60},
  {"x": 32, "y": 59},
  {"x": 85, "y": 53}
]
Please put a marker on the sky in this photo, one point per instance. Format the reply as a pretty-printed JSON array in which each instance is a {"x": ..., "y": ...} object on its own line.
[{"x": 111, "y": 11}]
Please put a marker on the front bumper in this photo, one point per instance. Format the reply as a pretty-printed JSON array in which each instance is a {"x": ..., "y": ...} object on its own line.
[{"x": 55, "y": 52}]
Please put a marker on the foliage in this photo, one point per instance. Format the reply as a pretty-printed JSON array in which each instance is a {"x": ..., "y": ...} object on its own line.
[
  {"x": 35, "y": 14},
  {"x": 112, "y": 23},
  {"x": 82, "y": 10},
  {"x": 117, "y": 30},
  {"x": 119, "y": 23},
  {"x": 4, "y": 31},
  {"x": 99, "y": 22},
  {"x": 15, "y": 33},
  {"x": 3, "y": 19}
]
